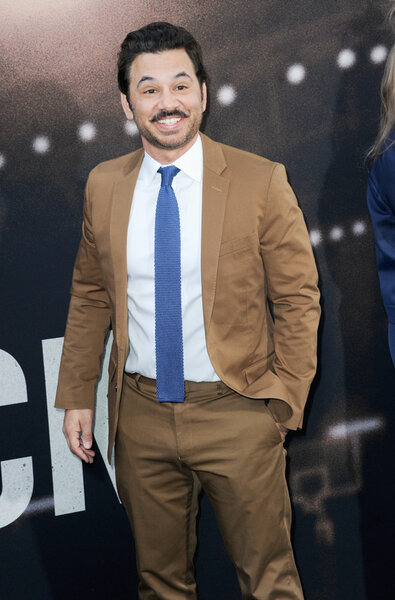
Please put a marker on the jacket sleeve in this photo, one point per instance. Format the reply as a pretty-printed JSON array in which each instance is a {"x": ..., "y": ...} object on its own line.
[
  {"x": 381, "y": 204},
  {"x": 87, "y": 326},
  {"x": 292, "y": 288}
]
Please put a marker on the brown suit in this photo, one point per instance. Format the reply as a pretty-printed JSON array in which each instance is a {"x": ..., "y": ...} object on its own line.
[{"x": 254, "y": 246}]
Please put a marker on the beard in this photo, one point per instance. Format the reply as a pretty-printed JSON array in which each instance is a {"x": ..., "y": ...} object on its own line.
[{"x": 146, "y": 133}]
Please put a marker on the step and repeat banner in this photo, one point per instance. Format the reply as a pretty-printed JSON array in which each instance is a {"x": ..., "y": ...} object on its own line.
[{"x": 296, "y": 81}]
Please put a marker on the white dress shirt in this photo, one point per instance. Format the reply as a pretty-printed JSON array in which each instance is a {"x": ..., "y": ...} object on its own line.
[{"x": 187, "y": 186}]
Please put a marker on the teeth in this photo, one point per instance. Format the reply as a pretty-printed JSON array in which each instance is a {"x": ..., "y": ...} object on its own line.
[{"x": 170, "y": 121}]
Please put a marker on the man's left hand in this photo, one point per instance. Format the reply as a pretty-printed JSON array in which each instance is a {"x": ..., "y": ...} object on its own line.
[{"x": 283, "y": 430}]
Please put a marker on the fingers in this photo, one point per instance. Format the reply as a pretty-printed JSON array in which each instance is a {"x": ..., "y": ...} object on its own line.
[
  {"x": 283, "y": 431},
  {"x": 86, "y": 435},
  {"x": 77, "y": 429}
]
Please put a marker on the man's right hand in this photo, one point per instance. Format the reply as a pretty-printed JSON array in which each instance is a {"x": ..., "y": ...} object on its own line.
[{"x": 77, "y": 429}]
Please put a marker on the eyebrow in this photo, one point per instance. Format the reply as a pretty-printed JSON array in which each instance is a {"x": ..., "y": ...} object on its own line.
[
  {"x": 145, "y": 78},
  {"x": 149, "y": 78},
  {"x": 182, "y": 74}
]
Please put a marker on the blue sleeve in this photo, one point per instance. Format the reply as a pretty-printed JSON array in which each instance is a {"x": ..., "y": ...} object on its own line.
[{"x": 381, "y": 204}]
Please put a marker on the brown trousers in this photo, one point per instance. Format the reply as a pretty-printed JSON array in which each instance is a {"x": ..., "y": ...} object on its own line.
[{"x": 229, "y": 445}]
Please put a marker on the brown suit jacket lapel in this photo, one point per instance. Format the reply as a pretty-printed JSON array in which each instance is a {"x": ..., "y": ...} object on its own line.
[
  {"x": 215, "y": 191},
  {"x": 121, "y": 205}
]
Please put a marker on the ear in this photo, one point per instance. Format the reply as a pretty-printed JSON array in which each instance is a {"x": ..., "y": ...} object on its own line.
[
  {"x": 204, "y": 96},
  {"x": 126, "y": 108}
]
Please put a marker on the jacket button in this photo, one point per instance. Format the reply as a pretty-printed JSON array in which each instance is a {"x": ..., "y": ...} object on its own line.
[{"x": 116, "y": 387}]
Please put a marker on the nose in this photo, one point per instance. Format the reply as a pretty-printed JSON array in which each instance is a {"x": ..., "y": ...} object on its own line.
[{"x": 167, "y": 100}]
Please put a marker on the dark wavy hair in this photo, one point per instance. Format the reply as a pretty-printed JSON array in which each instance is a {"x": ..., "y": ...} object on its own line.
[{"x": 157, "y": 37}]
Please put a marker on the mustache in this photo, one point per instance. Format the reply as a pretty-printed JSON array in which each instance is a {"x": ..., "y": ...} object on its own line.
[{"x": 168, "y": 113}]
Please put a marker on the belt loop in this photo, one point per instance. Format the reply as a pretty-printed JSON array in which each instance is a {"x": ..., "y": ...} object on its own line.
[{"x": 137, "y": 377}]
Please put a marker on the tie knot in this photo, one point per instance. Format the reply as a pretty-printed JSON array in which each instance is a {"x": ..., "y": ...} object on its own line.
[{"x": 168, "y": 174}]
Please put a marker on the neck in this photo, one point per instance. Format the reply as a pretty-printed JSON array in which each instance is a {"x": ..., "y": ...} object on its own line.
[{"x": 166, "y": 156}]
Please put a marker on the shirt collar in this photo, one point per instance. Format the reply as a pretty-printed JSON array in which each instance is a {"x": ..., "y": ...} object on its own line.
[{"x": 190, "y": 163}]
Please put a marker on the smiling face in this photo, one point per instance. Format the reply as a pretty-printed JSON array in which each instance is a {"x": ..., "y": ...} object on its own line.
[{"x": 167, "y": 103}]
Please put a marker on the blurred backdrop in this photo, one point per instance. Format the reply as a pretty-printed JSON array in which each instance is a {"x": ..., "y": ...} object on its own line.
[{"x": 296, "y": 81}]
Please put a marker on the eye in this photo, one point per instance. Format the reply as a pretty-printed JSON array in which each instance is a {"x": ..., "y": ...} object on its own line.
[
  {"x": 182, "y": 86},
  {"x": 149, "y": 91}
]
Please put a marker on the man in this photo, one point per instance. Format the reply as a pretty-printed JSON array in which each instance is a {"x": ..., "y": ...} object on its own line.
[{"x": 184, "y": 244}]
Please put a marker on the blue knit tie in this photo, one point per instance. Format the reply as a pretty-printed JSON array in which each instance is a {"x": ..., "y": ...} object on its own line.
[{"x": 168, "y": 316}]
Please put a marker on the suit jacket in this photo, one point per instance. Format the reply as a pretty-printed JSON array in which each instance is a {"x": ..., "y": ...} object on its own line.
[
  {"x": 381, "y": 204},
  {"x": 255, "y": 248}
]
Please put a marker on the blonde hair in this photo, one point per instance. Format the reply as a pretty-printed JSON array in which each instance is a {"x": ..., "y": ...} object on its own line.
[
  {"x": 387, "y": 120},
  {"x": 387, "y": 92},
  {"x": 391, "y": 15}
]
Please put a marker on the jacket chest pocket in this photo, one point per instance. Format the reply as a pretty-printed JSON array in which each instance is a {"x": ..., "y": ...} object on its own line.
[{"x": 237, "y": 272}]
